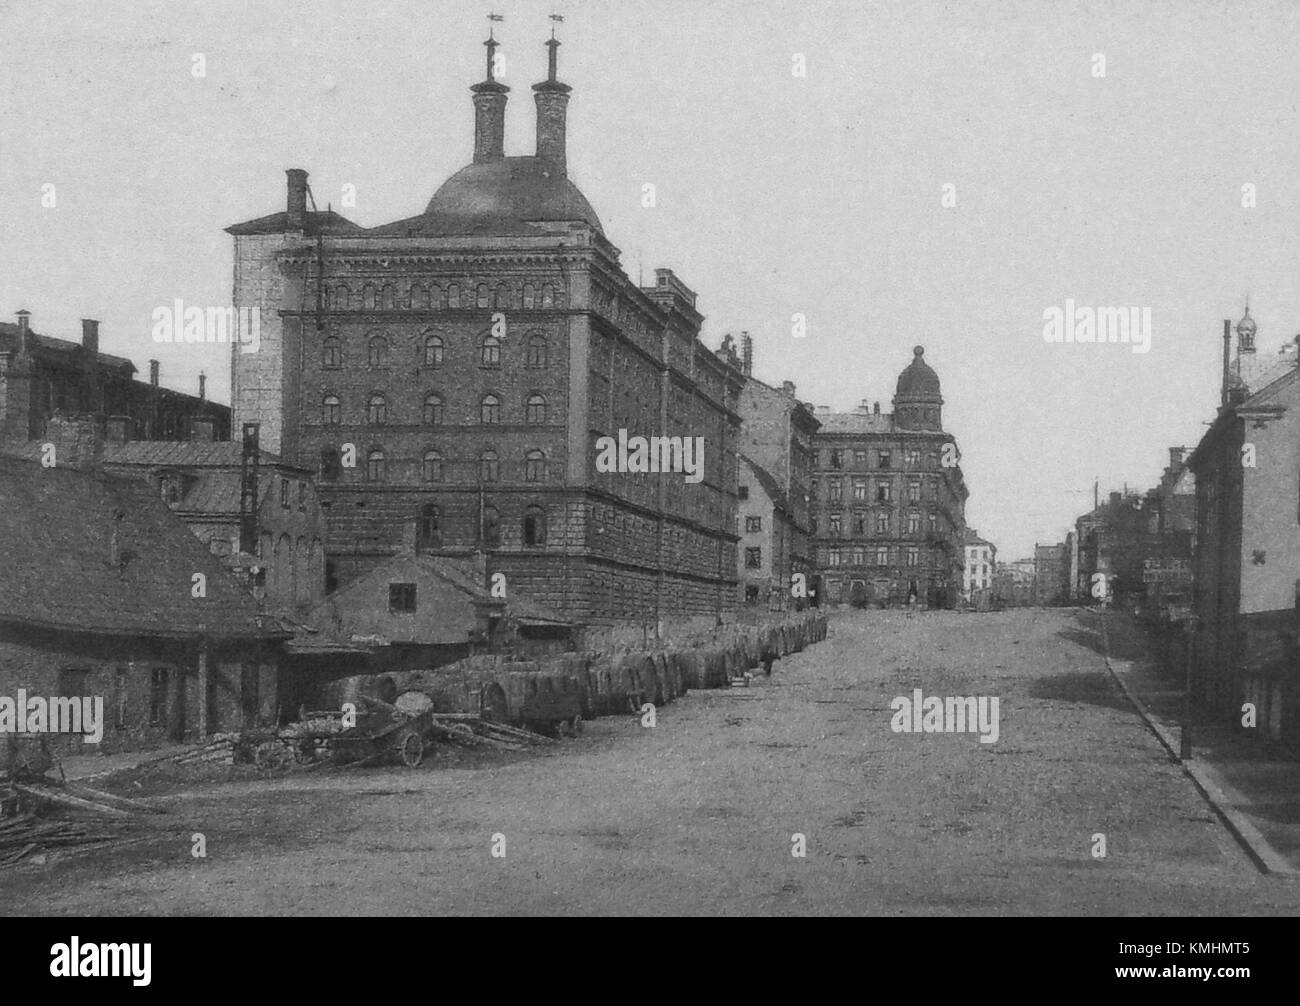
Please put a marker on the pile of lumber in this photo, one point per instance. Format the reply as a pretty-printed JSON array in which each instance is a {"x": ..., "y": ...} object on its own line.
[
  {"x": 28, "y": 833},
  {"x": 471, "y": 730},
  {"x": 221, "y": 749}
]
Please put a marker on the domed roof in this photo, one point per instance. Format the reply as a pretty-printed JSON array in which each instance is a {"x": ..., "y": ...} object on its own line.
[
  {"x": 1247, "y": 324},
  {"x": 918, "y": 381},
  {"x": 505, "y": 193}
]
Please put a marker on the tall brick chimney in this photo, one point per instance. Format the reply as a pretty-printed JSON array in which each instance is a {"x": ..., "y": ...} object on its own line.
[
  {"x": 296, "y": 204},
  {"x": 203, "y": 385},
  {"x": 153, "y": 372},
  {"x": 90, "y": 335},
  {"x": 490, "y": 112},
  {"x": 552, "y": 99},
  {"x": 24, "y": 330}
]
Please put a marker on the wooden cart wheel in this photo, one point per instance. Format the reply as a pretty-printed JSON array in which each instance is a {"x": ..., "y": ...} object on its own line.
[
  {"x": 412, "y": 750},
  {"x": 271, "y": 757},
  {"x": 304, "y": 752},
  {"x": 575, "y": 726}
]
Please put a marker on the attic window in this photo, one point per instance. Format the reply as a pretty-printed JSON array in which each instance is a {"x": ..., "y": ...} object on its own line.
[
  {"x": 401, "y": 598},
  {"x": 742, "y": 492}
]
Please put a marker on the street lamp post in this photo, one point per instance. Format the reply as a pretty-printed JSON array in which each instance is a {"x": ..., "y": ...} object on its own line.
[{"x": 1185, "y": 743}]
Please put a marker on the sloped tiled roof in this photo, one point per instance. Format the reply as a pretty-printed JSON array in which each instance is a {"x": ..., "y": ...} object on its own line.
[
  {"x": 182, "y": 454},
  {"x": 769, "y": 484},
  {"x": 57, "y": 527},
  {"x": 10, "y": 337},
  {"x": 855, "y": 422},
  {"x": 326, "y": 222}
]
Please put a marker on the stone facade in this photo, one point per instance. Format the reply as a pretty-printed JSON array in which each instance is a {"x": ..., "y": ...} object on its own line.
[
  {"x": 889, "y": 500},
  {"x": 455, "y": 370}
]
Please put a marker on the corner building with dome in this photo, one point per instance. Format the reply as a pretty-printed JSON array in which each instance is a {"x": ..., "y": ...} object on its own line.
[
  {"x": 448, "y": 376},
  {"x": 888, "y": 507}
]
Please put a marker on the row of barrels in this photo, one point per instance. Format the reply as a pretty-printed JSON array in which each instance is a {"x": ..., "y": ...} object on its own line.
[{"x": 606, "y": 684}]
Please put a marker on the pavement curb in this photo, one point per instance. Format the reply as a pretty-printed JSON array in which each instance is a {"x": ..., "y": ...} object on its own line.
[{"x": 1215, "y": 792}]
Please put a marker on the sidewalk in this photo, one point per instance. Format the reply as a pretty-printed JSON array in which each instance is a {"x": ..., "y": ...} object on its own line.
[{"x": 1254, "y": 785}]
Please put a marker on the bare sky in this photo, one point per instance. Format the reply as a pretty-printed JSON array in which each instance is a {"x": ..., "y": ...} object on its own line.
[{"x": 775, "y": 194}]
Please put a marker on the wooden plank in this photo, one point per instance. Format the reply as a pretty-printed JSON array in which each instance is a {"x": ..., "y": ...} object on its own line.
[{"x": 54, "y": 796}]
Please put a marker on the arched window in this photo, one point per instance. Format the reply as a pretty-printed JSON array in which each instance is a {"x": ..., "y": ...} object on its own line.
[
  {"x": 432, "y": 410},
  {"x": 491, "y": 526},
  {"x": 482, "y": 295},
  {"x": 369, "y": 298},
  {"x": 529, "y": 297},
  {"x": 490, "y": 409},
  {"x": 535, "y": 466},
  {"x": 419, "y": 298},
  {"x": 342, "y": 299},
  {"x": 331, "y": 354},
  {"x": 378, "y": 351},
  {"x": 548, "y": 296},
  {"x": 534, "y": 526},
  {"x": 432, "y": 466},
  {"x": 330, "y": 410},
  {"x": 433, "y": 351},
  {"x": 377, "y": 410},
  {"x": 430, "y": 535},
  {"x": 331, "y": 464},
  {"x": 536, "y": 409},
  {"x": 489, "y": 468},
  {"x": 490, "y": 353},
  {"x": 503, "y": 297},
  {"x": 388, "y": 297},
  {"x": 536, "y": 351},
  {"x": 453, "y": 296},
  {"x": 375, "y": 469}
]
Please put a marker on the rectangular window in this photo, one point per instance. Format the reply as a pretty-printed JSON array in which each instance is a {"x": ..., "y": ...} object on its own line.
[
  {"x": 914, "y": 492},
  {"x": 837, "y": 459},
  {"x": 302, "y": 496},
  {"x": 859, "y": 489},
  {"x": 284, "y": 493},
  {"x": 834, "y": 556},
  {"x": 835, "y": 525},
  {"x": 913, "y": 458},
  {"x": 836, "y": 491},
  {"x": 753, "y": 524},
  {"x": 860, "y": 459},
  {"x": 401, "y": 598},
  {"x": 913, "y": 556},
  {"x": 882, "y": 556},
  {"x": 885, "y": 459},
  {"x": 753, "y": 558},
  {"x": 742, "y": 493},
  {"x": 883, "y": 492},
  {"x": 882, "y": 523},
  {"x": 859, "y": 557}
]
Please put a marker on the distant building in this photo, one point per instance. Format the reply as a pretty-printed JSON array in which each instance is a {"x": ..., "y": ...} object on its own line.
[
  {"x": 41, "y": 377},
  {"x": 106, "y": 594},
  {"x": 980, "y": 565},
  {"x": 1013, "y": 583},
  {"x": 766, "y": 533},
  {"x": 777, "y": 437},
  {"x": 1246, "y": 564},
  {"x": 889, "y": 499},
  {"x": 1051, "y": 574}
]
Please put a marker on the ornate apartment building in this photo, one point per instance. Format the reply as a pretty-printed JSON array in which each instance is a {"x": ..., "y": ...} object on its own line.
[
  {"x": 449, "y": 375},
  {"x": 889, "y": 499}
]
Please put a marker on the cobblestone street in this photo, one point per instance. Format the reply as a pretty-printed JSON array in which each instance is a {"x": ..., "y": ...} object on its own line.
[{"x": 697, "y": 814}]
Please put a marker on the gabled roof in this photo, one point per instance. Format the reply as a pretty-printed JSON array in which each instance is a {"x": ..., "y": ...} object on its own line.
[
  {"x": 317, "y": 222},
  {"x": 769, "y": 484},
  {"x": 60, "y": 529}
]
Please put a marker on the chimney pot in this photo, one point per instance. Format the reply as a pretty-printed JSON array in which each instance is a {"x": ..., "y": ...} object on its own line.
[
  {"x": 90, "y": 335},
  {"x": 153, "y": 372},
  {"x": 296, "y": 206},
  {"x": 203, "y": 385},
  {"x": 24, "y": 317},
  {"x": 788, "y": 386},
  {"x": 876, "y": 408}
]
